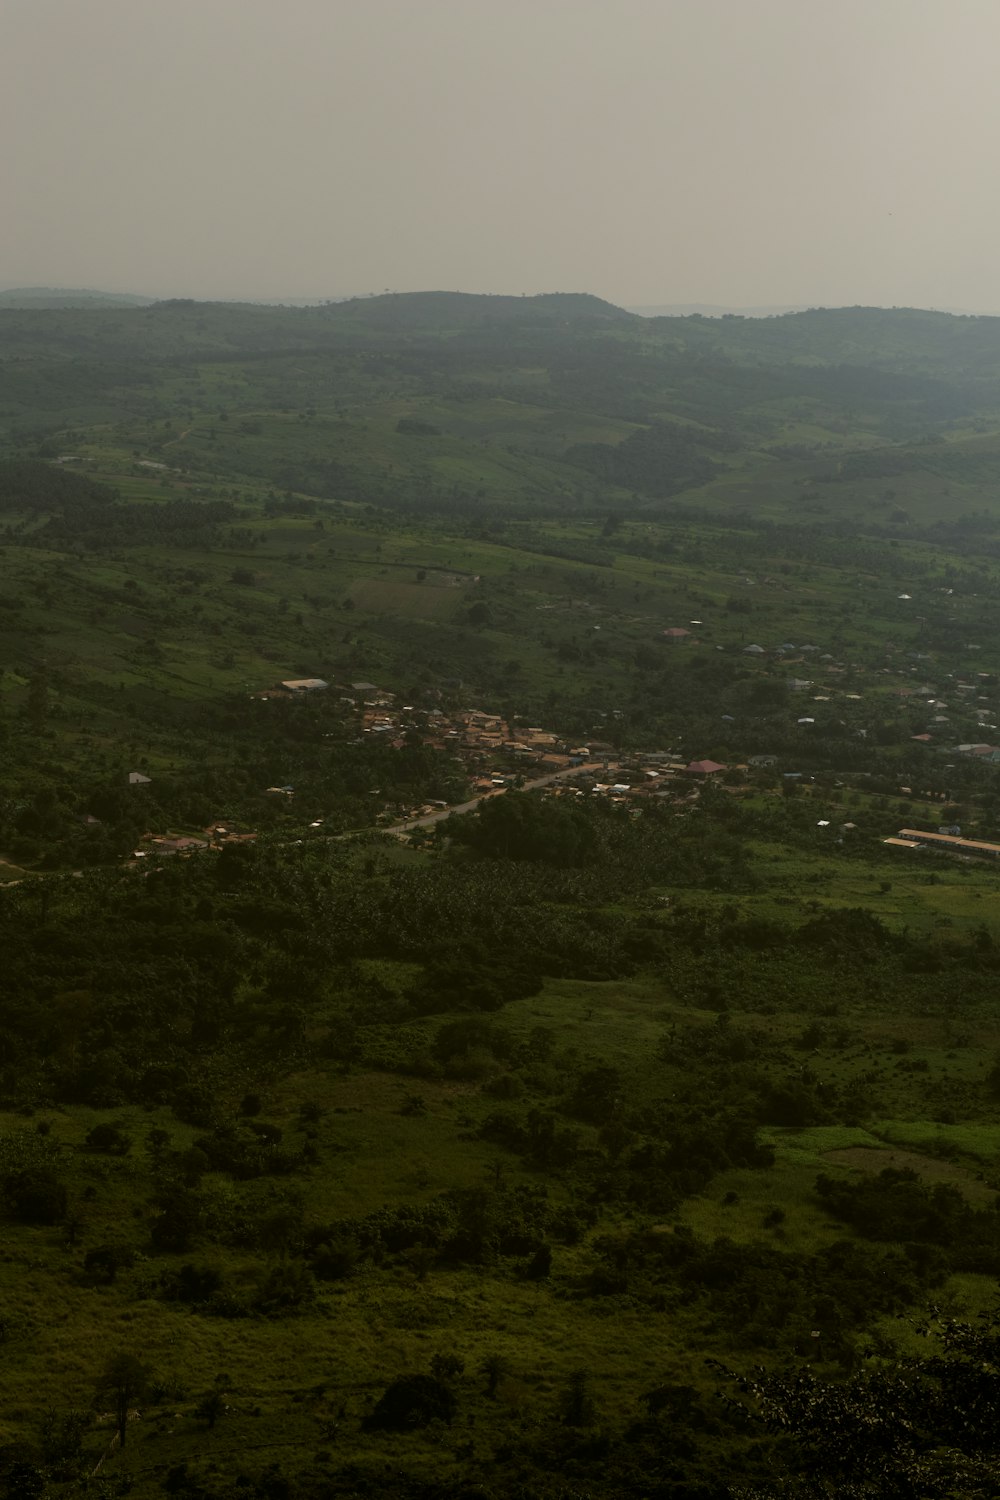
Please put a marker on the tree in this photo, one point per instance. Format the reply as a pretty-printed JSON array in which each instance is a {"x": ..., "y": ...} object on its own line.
[
  {"x": 494, "y": 1367},
  {"x": 37, "y": 707},
  {"x": 578, "y": 1405},
  {"x": 288, "y": 1286},
  {"x": 105, "y": 1261},
  {"x": 993, "y": 1077},
  {"x": 211, "y": 1407},
  {"x": 109, "y": 1138},
  {"x": 414, "y": 1401},
  {"x": 36, "y": 1196},
  {"x": 447, "y": 1366},
  {"x": 61, "y": 1435},
  {"x": 157, "y": 1141},
  {"x": 20, "y": 1476},
  {"x": 927, "y": 1425},
  {"x": 124, "y": 1381},
  {"x": 178, "y": 1217}
]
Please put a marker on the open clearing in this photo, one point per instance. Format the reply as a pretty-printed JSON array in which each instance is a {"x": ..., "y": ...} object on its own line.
[{"x": 868, "y": 1159}]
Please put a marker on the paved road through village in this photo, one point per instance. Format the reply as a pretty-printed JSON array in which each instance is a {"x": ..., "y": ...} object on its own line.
[{"x": 591, "y": 768}]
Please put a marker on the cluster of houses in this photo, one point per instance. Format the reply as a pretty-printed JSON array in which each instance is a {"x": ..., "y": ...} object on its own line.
[
  {"x": 958, "y": 699},
  {"x": 183, "y": 844},
  {"x": 497, "y": 753},
  {"x": 680, "y": 635},
  {"x": 989, "y": 754}
]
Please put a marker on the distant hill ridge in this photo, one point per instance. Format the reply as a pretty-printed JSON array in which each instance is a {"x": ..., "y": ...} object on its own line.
[
  {"x": 908, "y": 341},
  {"x": 58, "y": 297},
  {"x": 716, "y": 310},
  {"x": 442, "y": 308},
  {"x": 461, "y": 402}
]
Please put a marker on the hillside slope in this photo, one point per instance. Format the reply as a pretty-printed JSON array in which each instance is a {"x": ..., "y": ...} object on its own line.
[{"x": 442, "y": 400}]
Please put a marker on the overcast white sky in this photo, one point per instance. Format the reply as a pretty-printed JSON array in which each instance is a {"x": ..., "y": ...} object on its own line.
[{"x": 740, "y": 152}]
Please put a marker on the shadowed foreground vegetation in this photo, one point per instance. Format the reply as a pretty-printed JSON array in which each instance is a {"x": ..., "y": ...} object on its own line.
[{"x": 478, "y": 1202}]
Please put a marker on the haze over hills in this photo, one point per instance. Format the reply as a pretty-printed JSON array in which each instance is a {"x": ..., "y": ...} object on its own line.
[
  {"x": 722, "y": 310},
  {"x": 41, "y": 297},
  {"x": 713, "y": 310},
  {"x": 66, "y": 297},
  {"x": 56, "y": 297},
  {"x": 560, "y": 399}
]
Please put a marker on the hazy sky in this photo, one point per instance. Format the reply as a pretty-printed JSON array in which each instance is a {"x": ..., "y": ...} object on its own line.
[{"x": 726, "y": 151}]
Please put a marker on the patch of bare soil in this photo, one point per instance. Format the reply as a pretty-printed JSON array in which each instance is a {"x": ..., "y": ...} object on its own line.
[{"x": 929, "y": 1168}]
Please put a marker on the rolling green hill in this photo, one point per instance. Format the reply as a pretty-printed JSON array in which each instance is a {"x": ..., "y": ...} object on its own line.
[{"x": 446, "y": 402}]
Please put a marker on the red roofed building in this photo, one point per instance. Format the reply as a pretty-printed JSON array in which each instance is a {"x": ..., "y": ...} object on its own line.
[{"x": 703, "y": 768}]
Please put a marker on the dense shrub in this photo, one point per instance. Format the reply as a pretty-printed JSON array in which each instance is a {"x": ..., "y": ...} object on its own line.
[{"x": 414, "y": 1401}]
